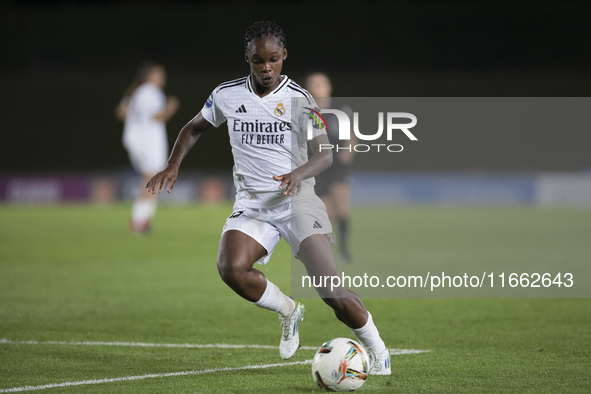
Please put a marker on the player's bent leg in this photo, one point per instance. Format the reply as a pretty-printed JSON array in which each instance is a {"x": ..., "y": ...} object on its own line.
[
  {"x": 236, "y": 256},
  {"x": 316, "y": 254}
]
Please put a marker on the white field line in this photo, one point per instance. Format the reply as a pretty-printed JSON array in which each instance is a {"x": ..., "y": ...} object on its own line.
[
  {"x": 143, "y": 344},
  {"x": 394, "y": 352},
  {"x": 148, "y": 376},
  {"x": 398, "y": 352}
]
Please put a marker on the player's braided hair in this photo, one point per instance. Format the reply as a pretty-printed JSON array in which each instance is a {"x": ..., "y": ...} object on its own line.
[{"x": 264, "y": 29}]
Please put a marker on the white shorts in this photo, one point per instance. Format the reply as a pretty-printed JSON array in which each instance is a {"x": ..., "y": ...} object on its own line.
[
  {"x": 268, "y": 225},
  {"x": 148, "y": 159}
]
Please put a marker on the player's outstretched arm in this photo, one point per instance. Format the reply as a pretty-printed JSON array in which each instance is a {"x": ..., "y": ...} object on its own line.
[
  {"x": 320, "y": 161},
  {"x": 184, "y": 142}
]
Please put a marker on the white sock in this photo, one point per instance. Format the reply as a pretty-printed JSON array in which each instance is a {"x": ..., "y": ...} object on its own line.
[
  {"x": 275, "y": 301},
  {"x": 369, "y": 336},
  {"x": 143, "y": 210}
]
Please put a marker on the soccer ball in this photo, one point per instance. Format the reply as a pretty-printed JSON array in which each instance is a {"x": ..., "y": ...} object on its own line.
[{"x": 340, "y": 365}]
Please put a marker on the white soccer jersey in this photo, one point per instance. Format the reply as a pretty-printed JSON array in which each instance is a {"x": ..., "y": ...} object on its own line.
[
  {"x": 266, "y": 139},
  {"x": 143, "y": 136}
]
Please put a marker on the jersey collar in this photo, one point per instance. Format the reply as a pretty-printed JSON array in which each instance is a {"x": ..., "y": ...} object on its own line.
[{"x": 281, "y": 85}]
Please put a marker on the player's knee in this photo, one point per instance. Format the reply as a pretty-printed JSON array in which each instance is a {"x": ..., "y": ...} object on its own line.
[
  {"x": 225, "y": 270},
  {"x": 335, "y": 303},
  {"x": 230, "y": 272},
  {"x": 341, "y": 300}
]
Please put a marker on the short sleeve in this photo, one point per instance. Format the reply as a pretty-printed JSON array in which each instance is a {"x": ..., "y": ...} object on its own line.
[
  {"x": 307, "y": 113},
  {"x": 313, "y": 114},
  {"x": 211, "y": 110}
]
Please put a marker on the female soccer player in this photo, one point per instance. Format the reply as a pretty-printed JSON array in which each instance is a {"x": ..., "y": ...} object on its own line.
[
  {"x": 272, "y": 200},
  {"x": 145, "y": 110},
  {"x": 333, "y": 185}
]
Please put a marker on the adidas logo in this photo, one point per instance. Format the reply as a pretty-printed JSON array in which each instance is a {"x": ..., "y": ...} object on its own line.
[
  {"x": 317, "y": 225},
  {"x": 241, "y": 109},
  {"x": 236, "y": 214}
]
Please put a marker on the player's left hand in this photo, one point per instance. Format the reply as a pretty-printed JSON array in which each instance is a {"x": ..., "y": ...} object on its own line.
[{"x": 291, "y": 182}]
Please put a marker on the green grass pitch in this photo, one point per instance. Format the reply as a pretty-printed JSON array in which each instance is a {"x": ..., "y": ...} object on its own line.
[{"x": 74, "y": 273}]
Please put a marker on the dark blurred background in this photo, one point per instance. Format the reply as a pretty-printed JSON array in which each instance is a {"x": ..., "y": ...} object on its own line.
[{"x": 65, "y": 64}]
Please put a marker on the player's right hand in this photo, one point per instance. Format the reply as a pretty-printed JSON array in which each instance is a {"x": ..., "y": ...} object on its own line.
[{"x": 158, "y": 181}]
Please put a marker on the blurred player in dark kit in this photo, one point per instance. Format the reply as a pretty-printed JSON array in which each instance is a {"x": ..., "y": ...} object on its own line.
[{"x": 333, "y": 185}]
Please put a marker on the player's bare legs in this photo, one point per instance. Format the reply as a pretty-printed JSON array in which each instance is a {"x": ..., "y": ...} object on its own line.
[
  {"x": 236, "y": 257},
  {"x": 316, "y": 254},
  {"x": 144, "y": 207}
]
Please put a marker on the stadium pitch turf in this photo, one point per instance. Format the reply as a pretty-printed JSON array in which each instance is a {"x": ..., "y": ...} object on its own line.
[{"x": 87, "y": 307}]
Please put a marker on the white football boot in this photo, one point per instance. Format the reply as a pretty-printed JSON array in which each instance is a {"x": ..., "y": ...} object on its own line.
[
  {"x": 290, "y": 339},
  {"x": 379, "y": 363}
]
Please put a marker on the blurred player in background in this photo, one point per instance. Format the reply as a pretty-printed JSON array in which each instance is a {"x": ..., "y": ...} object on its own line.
[
  {"x": 145, "y": 110},
  {"x": 271, "y": 176},
  {"x": 333, "y": 185}
]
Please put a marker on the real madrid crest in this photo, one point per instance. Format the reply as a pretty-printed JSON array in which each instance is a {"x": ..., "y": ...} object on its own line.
[{"x": 280, "y": 109}]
